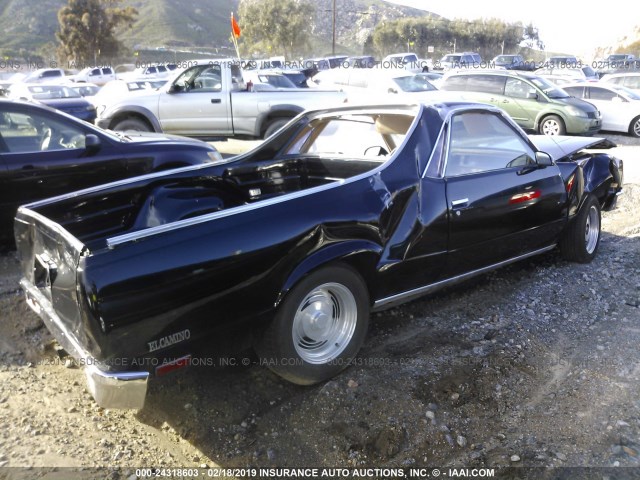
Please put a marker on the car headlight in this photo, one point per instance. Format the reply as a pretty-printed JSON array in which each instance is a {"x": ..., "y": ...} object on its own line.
[
  {"x": 576, "y": 112},
  {"x": 215, "y": 156},
  {"x": 100, "y": 110}
]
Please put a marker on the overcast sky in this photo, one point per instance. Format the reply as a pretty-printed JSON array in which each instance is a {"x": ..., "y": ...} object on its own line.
[{"x": 564, "y": 26}]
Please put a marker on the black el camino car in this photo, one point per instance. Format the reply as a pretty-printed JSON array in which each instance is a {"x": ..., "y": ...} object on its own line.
[
  {"x": 45, "y": 153},
  {"x": 291, "y": 245}
]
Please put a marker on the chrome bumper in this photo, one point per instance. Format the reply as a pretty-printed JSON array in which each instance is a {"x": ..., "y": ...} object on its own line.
[{"x": 109, "y": 389}]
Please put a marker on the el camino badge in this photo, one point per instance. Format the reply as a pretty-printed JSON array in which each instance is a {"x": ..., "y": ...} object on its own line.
[{"x": 169, "y": 340}]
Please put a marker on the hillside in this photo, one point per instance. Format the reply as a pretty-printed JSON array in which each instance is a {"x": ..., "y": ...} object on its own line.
[{"x": 27, "y": 26}]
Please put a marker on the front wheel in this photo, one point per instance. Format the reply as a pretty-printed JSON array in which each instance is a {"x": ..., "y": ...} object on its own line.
[
  {"x": 552, "y": 125},
  {"x": 582, "y": 237},
  {"x": 634, "y": 128},
  {"x": 319, "y": 328}
]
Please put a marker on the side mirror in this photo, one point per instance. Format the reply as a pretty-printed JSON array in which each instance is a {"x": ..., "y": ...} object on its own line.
[
  {"x": 92, "y": 142},
  {"x": 532, "y": 96},
  {"x": 617, "y": 99},
  {"x": 543, "y": 159},
  {"x": 174, "y": 88}
]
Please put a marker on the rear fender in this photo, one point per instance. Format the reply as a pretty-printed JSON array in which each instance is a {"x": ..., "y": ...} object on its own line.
[
  {"x": 280, "y": 111},
  {"x": 362, "y": 255}
]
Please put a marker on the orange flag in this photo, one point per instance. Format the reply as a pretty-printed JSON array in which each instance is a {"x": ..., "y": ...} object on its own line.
[{"x": 235, "y": 28}]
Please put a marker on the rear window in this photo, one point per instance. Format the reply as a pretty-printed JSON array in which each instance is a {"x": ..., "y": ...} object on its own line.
[{"x": 51, "y": 73}]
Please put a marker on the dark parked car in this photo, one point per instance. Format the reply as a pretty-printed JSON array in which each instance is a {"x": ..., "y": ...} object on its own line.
[
  {"x": 290, "y": 246},
  {"x": 60, "y": 97},
  {"x": 44, "y": 153}
]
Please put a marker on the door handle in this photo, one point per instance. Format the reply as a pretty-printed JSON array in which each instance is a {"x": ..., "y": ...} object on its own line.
[
  {"x": 216, "y": 100},
  {"x": 459, "y": 203}
]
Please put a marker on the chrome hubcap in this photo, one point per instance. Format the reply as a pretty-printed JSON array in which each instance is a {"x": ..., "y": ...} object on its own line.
[
  {"x": 591, "y": 230},
  {"x": 636, "y": 128},
  {"x": 324, "y": 323},
  {"x": 550, "y": 127}
]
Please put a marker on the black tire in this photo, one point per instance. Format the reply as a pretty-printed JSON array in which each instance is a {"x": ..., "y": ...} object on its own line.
[
  {"x": 132, "y": 123},
  {"x": 552, "y": 125},
  {"x": 581, "y": 239},
  {"x": 333, "y": 304},
  {"x": 634, "y": 127},
  {"x": 274, "y": 126}
]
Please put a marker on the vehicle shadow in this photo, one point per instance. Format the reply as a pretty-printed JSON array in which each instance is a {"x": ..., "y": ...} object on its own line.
[{"x": 416, "y": 359}]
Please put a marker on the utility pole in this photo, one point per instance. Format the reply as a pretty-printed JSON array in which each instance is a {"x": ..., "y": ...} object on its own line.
[{"x": 333, "y": 30}]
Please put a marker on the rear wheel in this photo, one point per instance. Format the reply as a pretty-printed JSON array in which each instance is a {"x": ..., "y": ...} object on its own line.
[
  {"x": 131, "y": 123},
  {"x": 274, "y": 126},
  {"x": 581, "y": 239},
  {"x": 634, "y": 127},
  {"x": 319, "y": 327},
  {"x": 552, "y": 125}
]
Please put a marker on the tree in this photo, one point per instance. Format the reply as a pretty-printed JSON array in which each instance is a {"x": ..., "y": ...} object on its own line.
[
  {"x": 280, "y": 27},
  {"x": 87, "y": 29},
  {"x": 531, "y": 38},
  {"x": 485, "y": 36}
]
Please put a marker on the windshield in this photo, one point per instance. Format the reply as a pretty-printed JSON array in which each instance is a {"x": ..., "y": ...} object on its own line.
[
  {"x": 47, "y": 92},
  {"x": 414, "y": 83},
  {"x": 504, "y": 59},
  {"x": 631, "y": 95},
  {"x": 548, "y": 88}
]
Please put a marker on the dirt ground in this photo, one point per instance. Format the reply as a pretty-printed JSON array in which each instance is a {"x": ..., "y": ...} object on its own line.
[{"x": 534, "y": 365}]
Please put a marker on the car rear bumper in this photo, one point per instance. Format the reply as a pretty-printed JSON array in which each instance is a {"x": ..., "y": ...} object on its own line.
[{"x": 109, "y": 389}]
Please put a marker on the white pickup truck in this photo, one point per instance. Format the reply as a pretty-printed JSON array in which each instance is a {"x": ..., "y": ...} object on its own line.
[{"x": 211, "y": 99}]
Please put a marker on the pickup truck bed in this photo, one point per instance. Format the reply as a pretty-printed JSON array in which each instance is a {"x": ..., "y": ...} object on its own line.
[{"x": 167, "y": 198}]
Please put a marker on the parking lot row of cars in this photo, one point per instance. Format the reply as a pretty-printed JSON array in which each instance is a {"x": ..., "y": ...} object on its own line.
[{"x": 535, "y": 101}]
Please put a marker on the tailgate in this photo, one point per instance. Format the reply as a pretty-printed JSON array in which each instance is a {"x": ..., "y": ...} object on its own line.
[{"x": 49, "y": 257}]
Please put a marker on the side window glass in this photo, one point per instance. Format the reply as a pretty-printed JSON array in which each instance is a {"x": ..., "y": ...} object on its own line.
[
  {"x": 577, "y": 92},
  {"x": 456, "y": 83},
  {"x": 601, "y": 94},
  {"x": 486, "y": 83},
  {"x": 434, "y": 169},
  {"x": 204, "y": 78},
  {"x": 208, "y": 80},
  {"x": 31, "y": 133},
  {"x": 518, "y": 89},
  {"x": 482, "y": 142}
]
